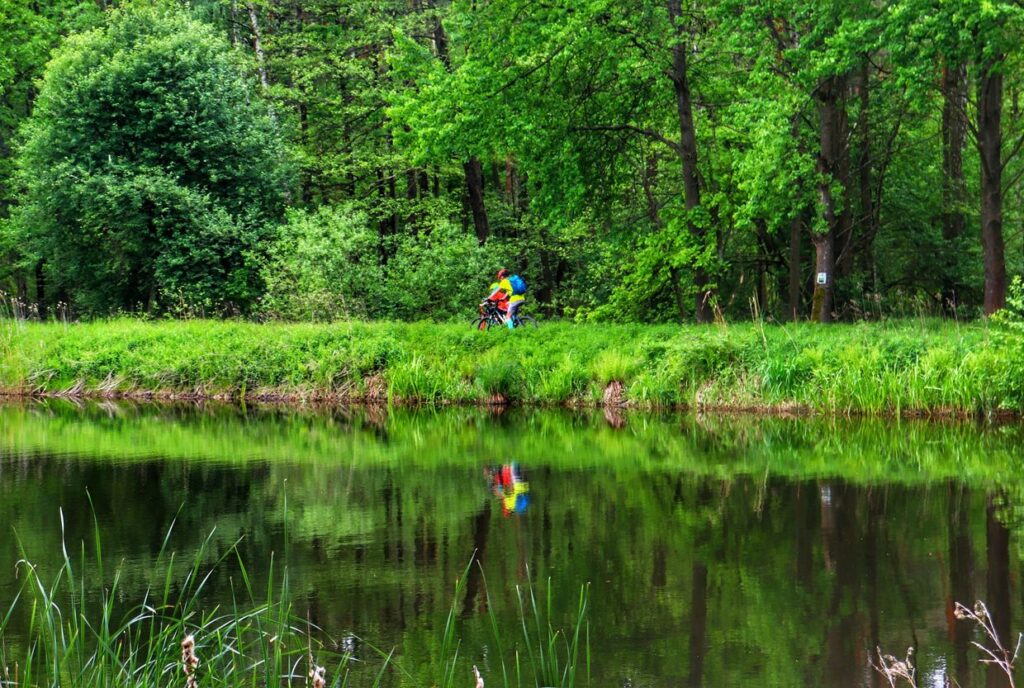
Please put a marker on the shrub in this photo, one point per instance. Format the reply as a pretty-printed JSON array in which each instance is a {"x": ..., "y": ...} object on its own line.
[
  {"x": 324, "y": 267},
  {"x": 153, "y": 174}
]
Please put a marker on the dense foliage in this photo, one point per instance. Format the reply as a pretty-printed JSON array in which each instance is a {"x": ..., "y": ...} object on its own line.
[
  {"x": 148, "y": 168},
  {"x": 663, "y": 161}
]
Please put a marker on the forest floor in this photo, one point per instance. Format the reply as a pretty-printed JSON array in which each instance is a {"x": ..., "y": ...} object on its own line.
[{"x": 909, "y": 367}]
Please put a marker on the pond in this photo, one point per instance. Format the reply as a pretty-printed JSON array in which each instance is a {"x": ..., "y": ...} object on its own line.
[{"x": 719, "y": 551}]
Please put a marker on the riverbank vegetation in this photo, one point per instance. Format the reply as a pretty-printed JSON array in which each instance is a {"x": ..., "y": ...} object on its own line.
[
  {"x": 660, "y": 162},
  {"x": 74, "y": 625},
  {"x": 937, "y": 366}
]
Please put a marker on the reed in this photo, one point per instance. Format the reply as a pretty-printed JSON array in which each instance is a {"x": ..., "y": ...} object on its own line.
[{"x": 73, "y": 629}]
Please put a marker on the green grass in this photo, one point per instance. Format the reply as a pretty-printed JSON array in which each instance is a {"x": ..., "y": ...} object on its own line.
[
  {"x": 929, "y": 366},
  {"x": 71, "y": 627}
]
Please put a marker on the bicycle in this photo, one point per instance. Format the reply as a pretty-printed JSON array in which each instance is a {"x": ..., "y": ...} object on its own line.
[{"x": 492, "y": 316}]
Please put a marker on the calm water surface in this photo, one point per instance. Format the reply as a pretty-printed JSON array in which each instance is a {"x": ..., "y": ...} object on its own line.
[{"x": 719, "y": 552}]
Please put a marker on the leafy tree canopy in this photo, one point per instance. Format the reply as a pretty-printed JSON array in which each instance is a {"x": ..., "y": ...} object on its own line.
[{"x": 154, "y": 175}]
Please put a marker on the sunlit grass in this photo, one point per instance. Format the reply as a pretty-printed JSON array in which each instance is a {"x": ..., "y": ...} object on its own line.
[{"x": 863, "y": 368}]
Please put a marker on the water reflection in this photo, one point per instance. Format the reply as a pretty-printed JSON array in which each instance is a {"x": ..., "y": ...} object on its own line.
[
  {"x": 509, "y": 485},
  {"x": 720, "y": 551}
]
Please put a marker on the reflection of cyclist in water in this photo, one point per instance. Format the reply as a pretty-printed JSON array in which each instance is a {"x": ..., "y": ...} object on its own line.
[{"x": 509, "y": 485}]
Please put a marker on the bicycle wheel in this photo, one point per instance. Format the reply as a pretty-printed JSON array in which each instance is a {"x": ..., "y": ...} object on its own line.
[
  {"x": 481, "y": 324},
  {"x": 525, "y": 320}
]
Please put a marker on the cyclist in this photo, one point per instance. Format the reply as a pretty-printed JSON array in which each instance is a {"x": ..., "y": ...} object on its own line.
[
  {"x": 497, "y": 296},
  {"x": 502, "y": 291}
]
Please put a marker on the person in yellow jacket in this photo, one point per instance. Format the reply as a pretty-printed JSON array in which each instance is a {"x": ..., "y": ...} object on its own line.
[{"x": 502, "y": 290}]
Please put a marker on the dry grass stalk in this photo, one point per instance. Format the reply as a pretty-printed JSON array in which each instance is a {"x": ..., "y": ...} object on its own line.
[
  {"x": 189, "y": 661},
  {"x": 895, "y": 670},
  {"x": 998, "y": 654},
  {"x": 479, "y": 678}
]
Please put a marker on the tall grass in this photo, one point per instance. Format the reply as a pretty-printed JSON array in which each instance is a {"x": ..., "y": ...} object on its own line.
[
  {"x": 70, "y": 627},
  {"x": 881, "y": 368}
]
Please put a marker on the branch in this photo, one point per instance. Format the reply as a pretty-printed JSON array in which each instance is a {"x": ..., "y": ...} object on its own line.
[
  {"x": 1013, "y": 152},
  {"x": 1013, "y": 180},
  {"x": 543, "y": 63},
  {"x": 649, "y": 133}
]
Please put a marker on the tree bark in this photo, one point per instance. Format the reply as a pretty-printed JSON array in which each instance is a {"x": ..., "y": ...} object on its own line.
[
  {"x": 688, "y": 155},
  {"x": 990, "y": 140},
  {"x": 830, "y": 167},
  {"x": 954, "y": 188},
  {"x": 475, "y": 189}
]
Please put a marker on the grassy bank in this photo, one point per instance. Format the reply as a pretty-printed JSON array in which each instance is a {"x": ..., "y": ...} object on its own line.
[{"x": 912, "y": 366}]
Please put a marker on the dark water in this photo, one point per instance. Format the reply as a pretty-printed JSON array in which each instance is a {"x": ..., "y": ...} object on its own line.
[{"x": 719, "y": 552}]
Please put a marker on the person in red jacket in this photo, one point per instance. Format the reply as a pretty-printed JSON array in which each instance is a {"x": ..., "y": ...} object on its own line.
[{"x": 502, "y": 289}]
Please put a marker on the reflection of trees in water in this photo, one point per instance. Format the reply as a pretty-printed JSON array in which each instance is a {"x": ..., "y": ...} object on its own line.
[
  {"x": 961, "y": 575},
  {"x": 719, "y": 555},
  {"x": 997, "y": 582}
]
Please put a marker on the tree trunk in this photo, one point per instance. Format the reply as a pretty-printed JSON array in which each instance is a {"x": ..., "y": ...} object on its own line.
[
  {"x": 233, "y": 21},
  {"x": 41, "y": 289},
  {"x": 762, "y": 266},
  {"x": 475, "y": 189},
  {"x": 830, "y": 168},
  {"x": 990, "y": 139},
  {"x": 824, "y": 267},
  {"x": 412, "y": 192},
  {"x": 795, "y": 227},
  {"x": 954, "y": 188},
  {"x": 512, "y": 186},
  {"x": 688, "y": 155},
  {"x": 257, "y": 45}
]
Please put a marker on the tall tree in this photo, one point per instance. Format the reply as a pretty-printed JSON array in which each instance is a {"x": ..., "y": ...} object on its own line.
[{"x": 153, "y": 173}]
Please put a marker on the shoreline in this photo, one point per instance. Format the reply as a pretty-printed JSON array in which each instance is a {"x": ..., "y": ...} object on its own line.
[
  {"x": 904, "y": 369},
  {"x": 328, "y": 400}
]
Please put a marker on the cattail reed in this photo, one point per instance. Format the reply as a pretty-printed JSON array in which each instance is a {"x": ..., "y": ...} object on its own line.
[
  {"x": 317, "y": 676},
  {"x": 189, "y": 661}
]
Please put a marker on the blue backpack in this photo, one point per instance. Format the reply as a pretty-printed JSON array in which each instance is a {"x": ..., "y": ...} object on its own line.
[{"x": 518, "y": 285}]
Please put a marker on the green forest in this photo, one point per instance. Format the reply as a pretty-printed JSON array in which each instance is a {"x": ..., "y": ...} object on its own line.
[{"x": 649, "y": 161}]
